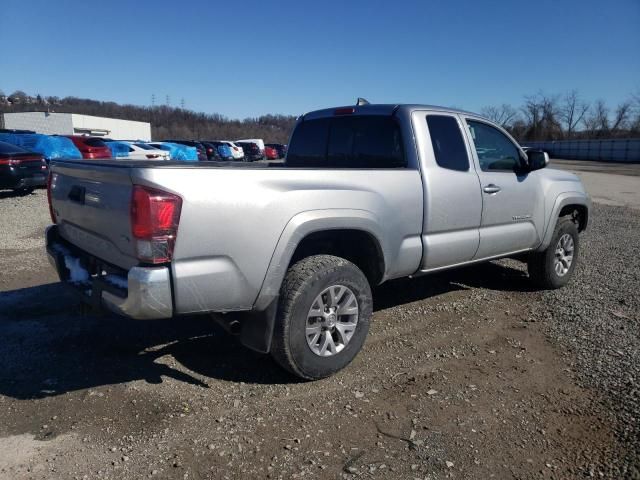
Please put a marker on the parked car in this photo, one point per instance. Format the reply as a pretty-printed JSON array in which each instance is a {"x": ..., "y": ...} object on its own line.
[
  {"x": 279, "y": 147},
  {"x": 178, "y": 151},
  {"x": 143, "y": 151},
  {"x": 49, "y": 146},
  {"x": 257, "y": 141},
  {"x": 224, "y": 150},
  {"x": 212, "y": 152},
  {"x": 20, "y": 169},
  {"x": 202, "y": 150},
  {"x": 251, "y": 150},
  {"x": 270, "y": 153},
  {"x": 286, "y": 257},
  {"x": 90, "y": 147},
  {"x": 236, "y": 151}
]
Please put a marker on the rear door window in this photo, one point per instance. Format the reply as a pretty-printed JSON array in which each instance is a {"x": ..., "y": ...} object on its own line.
[{"x": 448, "y": 144}]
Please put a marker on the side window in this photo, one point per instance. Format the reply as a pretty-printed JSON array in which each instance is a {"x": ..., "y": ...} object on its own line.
[
  {"x": 495, "y": 151},
  {"x": 309, "y": 144},
  {"x": 448, "y": 144}
]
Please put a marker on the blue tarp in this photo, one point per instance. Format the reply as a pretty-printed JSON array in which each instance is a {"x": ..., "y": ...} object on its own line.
[
  {"x": 118, "y": 149},
  {"x": 225, "y": 151},
  {"x": 50, "y": 146},
  {"x": 180, "y": 152}
]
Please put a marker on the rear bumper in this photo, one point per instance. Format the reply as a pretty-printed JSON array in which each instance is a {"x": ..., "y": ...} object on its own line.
[
  {"x": 11, "y": 178},
  {"x": 141, "y": 293}
]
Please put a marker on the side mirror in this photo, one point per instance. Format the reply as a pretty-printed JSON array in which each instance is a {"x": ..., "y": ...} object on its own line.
[{"x": 537, "y": 159}]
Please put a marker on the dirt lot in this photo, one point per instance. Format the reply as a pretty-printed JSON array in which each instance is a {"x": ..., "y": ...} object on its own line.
[{"x": 467, "y": 374}]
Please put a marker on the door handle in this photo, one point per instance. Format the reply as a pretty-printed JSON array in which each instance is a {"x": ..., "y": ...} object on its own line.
[{"x": 491, "y": 188}]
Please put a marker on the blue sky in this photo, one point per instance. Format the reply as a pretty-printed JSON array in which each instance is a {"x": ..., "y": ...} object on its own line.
[{"x": 249, "y": 58}]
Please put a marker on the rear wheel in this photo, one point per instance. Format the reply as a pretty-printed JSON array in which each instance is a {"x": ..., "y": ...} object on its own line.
[
  {"x": 323, "y": 316},
  {"x": 554, "y": 267}
]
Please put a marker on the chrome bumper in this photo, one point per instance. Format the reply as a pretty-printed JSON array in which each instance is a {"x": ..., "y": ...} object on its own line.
[{"x": 145, "y": 292}]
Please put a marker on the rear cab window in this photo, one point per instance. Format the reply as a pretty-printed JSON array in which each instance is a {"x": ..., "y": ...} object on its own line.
[{"x": 360, "y": 141}]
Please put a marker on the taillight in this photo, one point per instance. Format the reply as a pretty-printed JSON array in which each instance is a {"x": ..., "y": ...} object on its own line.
[
  {"x": 51, "y": 183},
  {"x": 18, "y": 161},
  {"x": 152, "y": 155},
  {"x": 235, "y": 148},
  {"x": 154, "y": 223},
  {"x": 344, "y": 111}
]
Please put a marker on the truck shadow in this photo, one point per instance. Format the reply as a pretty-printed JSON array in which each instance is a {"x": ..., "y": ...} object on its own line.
[{"x": 50, "y": 346}]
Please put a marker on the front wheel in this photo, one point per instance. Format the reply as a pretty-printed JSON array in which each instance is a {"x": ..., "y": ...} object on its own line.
[
  {"x": 554, "y": 267},
  {"x": 323, "y": 316}
]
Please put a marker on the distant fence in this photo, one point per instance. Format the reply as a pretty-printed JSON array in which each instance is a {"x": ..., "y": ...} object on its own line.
[{"x": 618, "y": 150}]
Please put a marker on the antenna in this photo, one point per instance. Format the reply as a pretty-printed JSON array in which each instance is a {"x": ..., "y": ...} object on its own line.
[{"x": 361, "y": 101}]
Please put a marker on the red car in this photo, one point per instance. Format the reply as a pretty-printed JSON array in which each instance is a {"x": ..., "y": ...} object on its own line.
[
  {"x": 271, "y": 153},
  {"x": 91, "y": 147}
]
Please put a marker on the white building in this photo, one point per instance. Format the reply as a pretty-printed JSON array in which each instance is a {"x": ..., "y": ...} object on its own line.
[{"x": 76, "y": 124}]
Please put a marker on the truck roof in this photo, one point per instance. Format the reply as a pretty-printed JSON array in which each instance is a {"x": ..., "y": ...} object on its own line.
[{"x": 382, "y": 109}]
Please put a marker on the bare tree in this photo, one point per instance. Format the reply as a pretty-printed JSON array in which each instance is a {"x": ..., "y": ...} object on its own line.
[
  {"x": 572, "y": 112},
  {"x": 18, "y": 97},
  {"x": 621, "y": 117},
  {"x": 635, "y": 123},
  {"x": 541, "y": 115},
  {"x": 504, "y": 115},
  {"x": 597, "y": 122}
]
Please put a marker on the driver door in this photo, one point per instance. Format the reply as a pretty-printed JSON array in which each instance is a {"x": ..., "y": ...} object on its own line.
[{"x": 509, "y": 195}]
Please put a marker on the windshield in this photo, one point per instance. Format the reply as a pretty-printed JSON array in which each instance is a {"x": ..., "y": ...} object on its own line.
[{"x": 144, "y": 146}]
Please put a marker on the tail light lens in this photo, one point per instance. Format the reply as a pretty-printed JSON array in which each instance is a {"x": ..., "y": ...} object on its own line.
[
  {"x": 51, "y": 183},
  {"x": 19, "y": 161},
  {"x": 154, "y": 223},
  {"x": 152, "y": 155}
]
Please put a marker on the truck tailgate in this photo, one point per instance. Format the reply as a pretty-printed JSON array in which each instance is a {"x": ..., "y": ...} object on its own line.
[{"x": 92, "y": 208}]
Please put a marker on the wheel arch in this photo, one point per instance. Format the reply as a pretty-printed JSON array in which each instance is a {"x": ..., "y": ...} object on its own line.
[
  {"x": 576, "y": 204},
  {"x": 314, "y": 228}
]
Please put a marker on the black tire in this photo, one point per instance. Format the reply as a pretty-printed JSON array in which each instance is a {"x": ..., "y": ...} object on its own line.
[
  {"x": 541, "y": 265},
  {"x": 303, "y": 282}
]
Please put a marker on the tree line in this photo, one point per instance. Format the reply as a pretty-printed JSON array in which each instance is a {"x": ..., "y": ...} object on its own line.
[
  {"x": 166, "y": 122},
  {"x": 540, "y": 117},
  {"x": 567, "y": 116}
]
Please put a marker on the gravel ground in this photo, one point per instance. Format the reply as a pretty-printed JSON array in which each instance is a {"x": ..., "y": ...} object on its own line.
[
  {"x": 597, "y": 320},
  {"x": 467, "y": 374}
]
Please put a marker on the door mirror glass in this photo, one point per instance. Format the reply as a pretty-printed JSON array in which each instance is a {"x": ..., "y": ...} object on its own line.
[{"x": 537, "y": 159}]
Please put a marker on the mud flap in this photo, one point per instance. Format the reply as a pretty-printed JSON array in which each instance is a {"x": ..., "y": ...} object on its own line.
[{"x": 256, "y": 328}]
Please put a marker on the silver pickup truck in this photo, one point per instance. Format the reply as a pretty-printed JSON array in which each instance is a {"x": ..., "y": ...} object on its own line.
[{"x": 285, "y": 254}]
